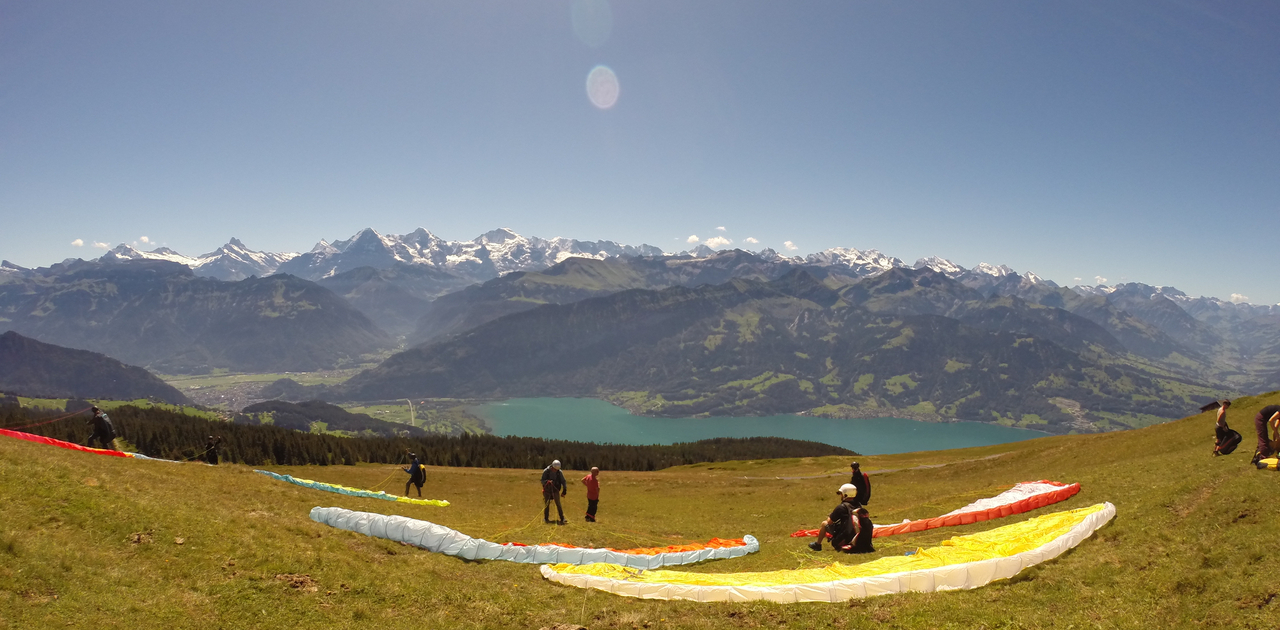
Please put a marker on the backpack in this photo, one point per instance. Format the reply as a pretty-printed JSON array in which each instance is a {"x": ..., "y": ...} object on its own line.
[{"x": 1230, "y": 442}]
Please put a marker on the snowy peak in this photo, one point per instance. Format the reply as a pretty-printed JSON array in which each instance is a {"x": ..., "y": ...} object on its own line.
[
  {"x": 123, "y": 252},
  {"x": 940, "y": 265},
  {"x": 868, "y": 263},
  {"x": 234, "y": 261},
  {"x": 993, "y": 270}
]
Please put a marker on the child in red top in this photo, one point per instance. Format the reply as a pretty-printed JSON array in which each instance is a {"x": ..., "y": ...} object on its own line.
[{"x": 592, "y": 482}]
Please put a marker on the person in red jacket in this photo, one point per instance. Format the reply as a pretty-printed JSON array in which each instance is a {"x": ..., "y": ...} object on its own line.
[{"x": 592, "y": 482}]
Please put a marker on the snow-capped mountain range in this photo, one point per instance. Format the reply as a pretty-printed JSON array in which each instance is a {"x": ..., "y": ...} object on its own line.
[{"x": 503, "y": 251}]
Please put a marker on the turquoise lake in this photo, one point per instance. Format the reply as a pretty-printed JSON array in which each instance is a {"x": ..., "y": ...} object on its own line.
[{"x": 586, "y": 420}]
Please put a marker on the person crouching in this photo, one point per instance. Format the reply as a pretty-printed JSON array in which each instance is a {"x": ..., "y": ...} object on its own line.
[{"x": 849, "y": 525}]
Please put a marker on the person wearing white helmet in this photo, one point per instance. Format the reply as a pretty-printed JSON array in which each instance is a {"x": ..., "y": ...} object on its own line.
[
  {"x": 842, "y": 523},
  {"x": 553, "y": 487}
]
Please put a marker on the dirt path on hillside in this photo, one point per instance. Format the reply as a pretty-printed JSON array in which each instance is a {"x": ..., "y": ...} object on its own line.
[{"x": 886, "y": 470}]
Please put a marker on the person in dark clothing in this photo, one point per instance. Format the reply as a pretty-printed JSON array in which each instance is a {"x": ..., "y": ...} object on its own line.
[
  {"x": 211, "y": 450},
  {"x": 1225, "y": 440},
  {"x": 592, "y": 482},
  {"x": 840, "y": 522},
  {"x": 862, "y": 482},
  {"x": 863, "y": 531},
  {"x": 553, "y": 487},
  {"x": 417, "y": 476},
  {"x": 103, "y": 431},
  {"x": 1268, "y": 417}
]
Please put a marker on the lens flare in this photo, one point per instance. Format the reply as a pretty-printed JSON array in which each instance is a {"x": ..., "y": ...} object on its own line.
[{"x": 602, "y": 87}]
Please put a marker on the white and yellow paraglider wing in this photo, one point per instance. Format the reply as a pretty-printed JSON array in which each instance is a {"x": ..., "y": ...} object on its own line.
[{"x": 961, "y": 562}]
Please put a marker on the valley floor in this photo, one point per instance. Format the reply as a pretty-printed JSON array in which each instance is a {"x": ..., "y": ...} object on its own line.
[{"x": 99, "y": 542}]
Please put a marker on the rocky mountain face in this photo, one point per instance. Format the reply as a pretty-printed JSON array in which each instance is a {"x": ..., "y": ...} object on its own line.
[
  {"x": 160, "y": 315},
  {"x": 905, "y": 341},
  {"x": 31, "y": 368}
]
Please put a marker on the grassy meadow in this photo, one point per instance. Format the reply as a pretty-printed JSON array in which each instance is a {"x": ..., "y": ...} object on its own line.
[{"x": 100, "y": 542}]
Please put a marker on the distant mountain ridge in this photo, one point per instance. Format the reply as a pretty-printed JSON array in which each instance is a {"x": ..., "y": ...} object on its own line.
[
  {"x": 160, "y": 315},
  {"x": 32, "y": 368},
  {"x": 502, "y": 251},
  {"x": 908, "y": 341}
]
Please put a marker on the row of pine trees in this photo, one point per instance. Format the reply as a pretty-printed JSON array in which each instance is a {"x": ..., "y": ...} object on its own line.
[{"x": 167, "y": 434}]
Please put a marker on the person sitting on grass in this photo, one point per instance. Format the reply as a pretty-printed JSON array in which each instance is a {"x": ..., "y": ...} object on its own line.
[
  {"x": 840, "y": 523},
  {"x": 417, "y": 476},
  {"x": 863, "y": 531},
  {"x": 1225, "y": 439}
]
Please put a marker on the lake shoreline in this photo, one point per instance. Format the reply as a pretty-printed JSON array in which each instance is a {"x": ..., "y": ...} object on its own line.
[{"x": 600, "y": 421}]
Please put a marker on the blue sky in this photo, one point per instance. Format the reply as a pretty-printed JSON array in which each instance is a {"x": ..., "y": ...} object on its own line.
[{"x": 1131, "y": 141}]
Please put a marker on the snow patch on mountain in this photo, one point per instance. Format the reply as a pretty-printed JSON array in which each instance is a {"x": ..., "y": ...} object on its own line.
[
  {"x": 940, "y": 265},
  {"x": 863, "y": 263}
]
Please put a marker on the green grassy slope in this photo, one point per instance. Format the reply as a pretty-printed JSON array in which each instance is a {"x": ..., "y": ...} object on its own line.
[{"x": 91, "y": 541}]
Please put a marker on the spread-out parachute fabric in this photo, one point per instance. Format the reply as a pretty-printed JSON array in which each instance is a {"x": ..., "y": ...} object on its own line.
[
  {"x": 40, "y": 439},
  {"x": 441, "y": 539},
  {"x": 1022, "y": 497},
  {"x": 353, "y": 492},
  {"x": 962, "y": 562}
]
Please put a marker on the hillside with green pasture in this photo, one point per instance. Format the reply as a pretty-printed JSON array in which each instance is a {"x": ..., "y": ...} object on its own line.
[{"x": 99, "y": 542}]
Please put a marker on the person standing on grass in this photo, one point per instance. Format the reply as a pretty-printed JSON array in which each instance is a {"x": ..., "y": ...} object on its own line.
[
  {"x": 1268, "y": 417},
  {"x": 417, "y": 476},
  {"x": 862, "y": 482},
  {"x": 592, "y": 482},
  {"x": 553, "y": 487},
  {"x": 103, "y": 431},
  {"x": 211, "y": 450},
  {"x": 840, "y": 523}
]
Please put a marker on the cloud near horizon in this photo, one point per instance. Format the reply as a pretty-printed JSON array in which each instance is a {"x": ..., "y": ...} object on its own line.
[
  {"x": 144, "y": 239},
  {"x": 791, "y": 247},
  {"x": 1237, "y": 298},
  {"x": 78, "y": 243},
  {"x": 751, "y": 239},
  {"x": 718, "y": 241},
  {"x": 721, "y": 229},
  {"x": 693, "y": 238},
  {"x": 1099, "y": 280},
  {"x": 101, "y": 245}
]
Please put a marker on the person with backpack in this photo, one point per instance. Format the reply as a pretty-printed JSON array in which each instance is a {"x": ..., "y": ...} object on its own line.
[
  {"x": 840, "y": 523},
  {"x": 417, "y": 475},
  {"x": 862, "y": 482},
  {"x": 211, "y": 450},
  {"x": 553, "y": 487},
  {"x": 1225, "y": 440},
  {"x": 103, "y": 431}
]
